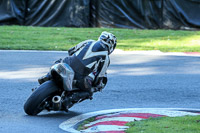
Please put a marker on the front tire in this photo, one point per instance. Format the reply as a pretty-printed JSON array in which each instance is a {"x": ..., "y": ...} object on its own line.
[{"x": 33, "y": 104}]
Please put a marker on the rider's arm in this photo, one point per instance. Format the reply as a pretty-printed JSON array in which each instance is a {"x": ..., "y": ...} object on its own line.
[
  {"x": 101, "y": 75},
  {"x": 101, "y": 71}
]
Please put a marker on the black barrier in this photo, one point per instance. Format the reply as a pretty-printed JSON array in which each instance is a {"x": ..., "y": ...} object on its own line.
[
  {"x": 130, "y": 13},
  {"x": 144, "y": 14},
  {"x": 178, "y": 14},
  {"x": 71, "y": 13},
  {"x": 12, "y": 12}
]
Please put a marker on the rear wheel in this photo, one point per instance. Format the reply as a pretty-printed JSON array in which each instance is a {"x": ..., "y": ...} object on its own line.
[{"x": 36, "y": 101}]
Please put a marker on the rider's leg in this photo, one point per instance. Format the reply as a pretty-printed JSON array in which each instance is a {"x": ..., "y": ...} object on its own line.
[{"x": 75, "y": 97}]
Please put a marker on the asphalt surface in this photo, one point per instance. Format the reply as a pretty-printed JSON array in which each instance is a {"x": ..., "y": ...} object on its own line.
[{"x": 134, "y": 81}]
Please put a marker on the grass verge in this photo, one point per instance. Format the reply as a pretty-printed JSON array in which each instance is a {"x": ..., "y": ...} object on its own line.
[
  {"x": 185, "y": 124},
  {"x": 62, "y": 38}
]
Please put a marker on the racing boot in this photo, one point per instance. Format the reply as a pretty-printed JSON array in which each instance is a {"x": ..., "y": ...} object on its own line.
[{"x": 44, "y": 78}]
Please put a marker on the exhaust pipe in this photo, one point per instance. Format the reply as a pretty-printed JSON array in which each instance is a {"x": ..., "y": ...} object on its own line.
[{"x": 56, "y": 103}]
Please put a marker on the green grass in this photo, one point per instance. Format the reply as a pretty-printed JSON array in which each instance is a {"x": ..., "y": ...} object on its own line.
[
  {"x": 186, "y": 124},
  {"x": 57, "y": 38}
]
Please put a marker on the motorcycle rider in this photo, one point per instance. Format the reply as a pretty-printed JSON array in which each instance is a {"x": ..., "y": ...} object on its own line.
[{"x": 89, "y": 60}]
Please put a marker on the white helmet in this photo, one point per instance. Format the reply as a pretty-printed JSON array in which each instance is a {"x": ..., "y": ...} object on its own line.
[{"x": 108, "y": 39}]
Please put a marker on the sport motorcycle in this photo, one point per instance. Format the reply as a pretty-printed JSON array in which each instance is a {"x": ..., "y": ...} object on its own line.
[{"x": 58, "y": 93}]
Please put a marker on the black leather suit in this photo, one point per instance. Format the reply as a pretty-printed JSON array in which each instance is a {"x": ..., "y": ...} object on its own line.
[{"x": 89, "y": 59}]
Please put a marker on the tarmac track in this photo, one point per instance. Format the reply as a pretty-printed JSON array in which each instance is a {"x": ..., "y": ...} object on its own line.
[{"x": 136, "y": 80}]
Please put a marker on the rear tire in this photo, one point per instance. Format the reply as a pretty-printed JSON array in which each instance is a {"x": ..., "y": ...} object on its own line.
[{"x": 33, "y": 104}]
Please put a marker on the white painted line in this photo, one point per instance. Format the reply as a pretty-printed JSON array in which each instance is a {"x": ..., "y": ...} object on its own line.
[
  {"x": 116, "y": 51},
  {"x": 153, "y": 52},
  {"x": 103, "y": 128}
]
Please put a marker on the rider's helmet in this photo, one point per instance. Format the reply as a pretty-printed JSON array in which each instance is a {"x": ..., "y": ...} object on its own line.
[{"x": 109, "y": 40}]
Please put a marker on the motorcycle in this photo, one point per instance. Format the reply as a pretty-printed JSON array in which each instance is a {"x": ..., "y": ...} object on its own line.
[{"x": 57, "y": 94}]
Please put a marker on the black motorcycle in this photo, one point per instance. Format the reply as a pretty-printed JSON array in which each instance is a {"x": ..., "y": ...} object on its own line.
[{"x": 57, "y": 94}]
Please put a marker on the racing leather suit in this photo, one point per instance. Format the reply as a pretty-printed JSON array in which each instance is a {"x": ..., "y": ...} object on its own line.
[{"x": 89, "y": 60}]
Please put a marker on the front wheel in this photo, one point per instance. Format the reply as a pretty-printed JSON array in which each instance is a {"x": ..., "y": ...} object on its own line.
[{"x": 33, "y": 105}]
